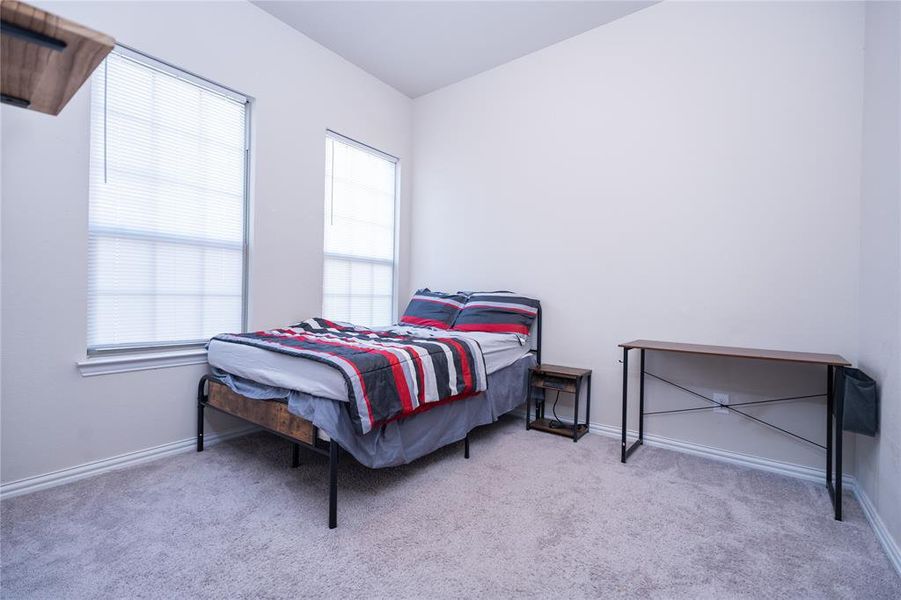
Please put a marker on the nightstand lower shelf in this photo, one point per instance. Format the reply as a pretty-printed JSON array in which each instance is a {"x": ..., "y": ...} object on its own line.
[{"x": 566, "y": 430}]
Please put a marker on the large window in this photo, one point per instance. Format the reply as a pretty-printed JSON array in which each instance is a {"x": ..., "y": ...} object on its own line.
[
  {"x": 360, "y": 193},
  {"x": 167, "y": 206}
]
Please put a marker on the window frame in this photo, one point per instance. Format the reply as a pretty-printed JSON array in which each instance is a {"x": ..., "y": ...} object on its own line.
[
  {"x": 151, "y": 62},
  {"x": 395, "y": 257}
]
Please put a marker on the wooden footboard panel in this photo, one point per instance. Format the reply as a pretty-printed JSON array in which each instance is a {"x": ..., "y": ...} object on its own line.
[{"x": 270, "y": 414}]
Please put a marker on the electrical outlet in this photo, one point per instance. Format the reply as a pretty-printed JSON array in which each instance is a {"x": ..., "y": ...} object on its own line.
[{"x": 721, "y": 399}]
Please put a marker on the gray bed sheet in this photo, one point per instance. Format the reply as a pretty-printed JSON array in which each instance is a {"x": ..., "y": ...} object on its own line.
[{"x": 404, "y": 440}]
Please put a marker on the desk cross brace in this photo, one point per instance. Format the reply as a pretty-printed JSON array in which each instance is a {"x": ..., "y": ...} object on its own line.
[{"x": 732, "y": 408}]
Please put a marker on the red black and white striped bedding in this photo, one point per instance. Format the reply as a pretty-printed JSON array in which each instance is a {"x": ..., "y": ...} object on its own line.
[
  {"x": 433, "y": 309},
  {"x": 500, "y": 312},
  {"x": 388, "y": 375}
]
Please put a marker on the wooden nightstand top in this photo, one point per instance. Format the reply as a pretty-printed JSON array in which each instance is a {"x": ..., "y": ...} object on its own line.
[{"x": 559, "y": 371}]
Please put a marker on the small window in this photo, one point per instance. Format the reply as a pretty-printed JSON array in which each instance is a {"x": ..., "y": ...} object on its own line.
[
  {"x": 168, "y": 205},
  {"x": 360, "y": 198}
]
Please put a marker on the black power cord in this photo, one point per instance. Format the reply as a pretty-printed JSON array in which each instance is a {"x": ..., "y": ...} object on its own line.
[{"x": 556, "y": 423}]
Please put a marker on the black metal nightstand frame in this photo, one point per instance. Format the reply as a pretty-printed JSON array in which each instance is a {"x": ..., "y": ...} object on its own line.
[{"x": 559, "y": 379}]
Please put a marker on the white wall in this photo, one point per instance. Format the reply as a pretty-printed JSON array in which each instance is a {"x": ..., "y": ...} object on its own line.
[
  {"x": 52, "y": 417},
  {"x": 690, "y": 172},
  {"x": 878, "y": 462}
]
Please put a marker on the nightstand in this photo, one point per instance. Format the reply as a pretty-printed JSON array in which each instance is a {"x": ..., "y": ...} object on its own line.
[{"x": 554, "y": 378}]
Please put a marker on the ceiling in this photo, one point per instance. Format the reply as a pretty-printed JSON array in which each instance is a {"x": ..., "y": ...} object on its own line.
[{"x": 420, "y": 46}]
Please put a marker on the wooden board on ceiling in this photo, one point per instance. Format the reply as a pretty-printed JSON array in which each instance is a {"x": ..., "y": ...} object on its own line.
[{"x": 41, "y": 72}]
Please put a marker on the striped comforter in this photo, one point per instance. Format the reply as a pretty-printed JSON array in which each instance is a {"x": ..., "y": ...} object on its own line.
[{"x": 388, "y": 375}]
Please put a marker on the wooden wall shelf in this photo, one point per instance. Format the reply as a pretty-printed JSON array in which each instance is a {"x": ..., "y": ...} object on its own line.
[{"x": 45, "y": 59}]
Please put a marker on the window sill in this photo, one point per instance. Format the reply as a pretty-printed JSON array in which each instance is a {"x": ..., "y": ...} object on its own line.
[{"x": 123, "y": 363}]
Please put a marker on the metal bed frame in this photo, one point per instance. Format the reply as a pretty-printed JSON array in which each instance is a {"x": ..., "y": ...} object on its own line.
[{"x": 331, "y": 448}]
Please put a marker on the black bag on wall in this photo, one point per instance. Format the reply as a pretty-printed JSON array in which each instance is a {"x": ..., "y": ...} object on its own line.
[{"x": 855, "y": 392}]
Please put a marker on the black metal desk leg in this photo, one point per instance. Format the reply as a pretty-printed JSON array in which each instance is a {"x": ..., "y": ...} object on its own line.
[
  {"x": 576, "y": 410},
  {"x": 332, "y": 484},
  {"x": 626, "y": 449},
  {"x": 641, "y": 401},
  {"x": 625, "y": 397},
  {"x": 829, "y": 415},
  {"x": 839, "y": 420}
]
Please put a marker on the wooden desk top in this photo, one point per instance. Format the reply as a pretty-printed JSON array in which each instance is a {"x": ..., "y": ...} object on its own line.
[{"x": 755, "y": 353}]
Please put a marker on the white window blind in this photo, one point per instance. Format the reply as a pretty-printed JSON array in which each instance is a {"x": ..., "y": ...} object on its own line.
[
  {"x": 360, "y": 192},
  {"x": 166, "y": 255}
]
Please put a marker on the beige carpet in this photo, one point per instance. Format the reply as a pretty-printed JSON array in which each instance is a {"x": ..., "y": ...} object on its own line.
[{"x": 529, "y": 515}]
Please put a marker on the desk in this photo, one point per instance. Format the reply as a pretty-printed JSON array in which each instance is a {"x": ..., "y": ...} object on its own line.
[{"x": 830, "y": 361}]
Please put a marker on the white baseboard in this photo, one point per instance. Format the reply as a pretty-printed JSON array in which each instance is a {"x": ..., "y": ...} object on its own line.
[
  {"x": 48, "y": 480},
  {"x": 882, "y": 533},
  {"x": 736, "y": 458},
  {"x": 806, "y": 473}
]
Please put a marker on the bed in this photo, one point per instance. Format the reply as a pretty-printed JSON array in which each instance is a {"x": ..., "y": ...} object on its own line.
[{"x": 282, "y": 382}]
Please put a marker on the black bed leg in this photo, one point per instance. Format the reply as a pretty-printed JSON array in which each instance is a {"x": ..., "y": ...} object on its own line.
[
  {"x": 200, "y": 427},
  {"x": 332, "y": 484},
  {"x": 201, "y": 397},
  {"x": 466, "y": 446},
  {"x": 295, "y": 455}
]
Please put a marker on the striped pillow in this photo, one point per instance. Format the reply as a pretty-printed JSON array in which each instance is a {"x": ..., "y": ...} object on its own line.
[
  {"x": 502, "y": 312},
  {"x": 433, "y": 309}
]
